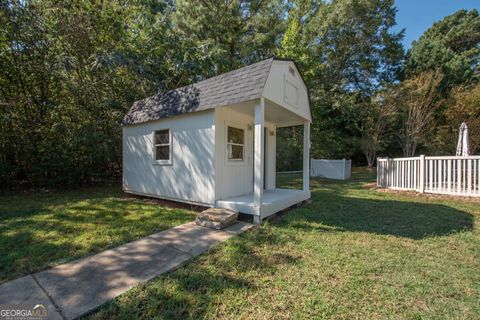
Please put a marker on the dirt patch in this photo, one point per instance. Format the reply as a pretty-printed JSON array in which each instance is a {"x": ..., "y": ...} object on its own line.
[
  {"x": 427, "y": 195},
  {"x": 166, "y": 203},
  {"x": 370, "y": 186}
]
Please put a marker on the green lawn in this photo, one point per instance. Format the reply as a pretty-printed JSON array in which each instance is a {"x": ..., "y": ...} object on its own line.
[
  {"x": 353, "y": 253},
  {"x": 44, "y": 229}
]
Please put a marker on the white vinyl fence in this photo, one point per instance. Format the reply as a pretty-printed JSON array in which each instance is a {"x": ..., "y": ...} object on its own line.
[
  {"x": 331, "y": 169},
  {"x": 443, "y": 175}
]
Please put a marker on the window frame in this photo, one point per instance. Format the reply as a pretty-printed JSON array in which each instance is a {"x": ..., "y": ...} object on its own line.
[
  {"x": 163, "y": 162},
  {"x": 227, "y": 143}
]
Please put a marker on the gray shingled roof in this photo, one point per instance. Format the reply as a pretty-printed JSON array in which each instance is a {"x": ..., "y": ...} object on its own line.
[{"x": 236, "y": 86}]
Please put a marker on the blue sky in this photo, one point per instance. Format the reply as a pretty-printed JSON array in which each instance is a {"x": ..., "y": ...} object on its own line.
[{"x": 416, "y": 16}]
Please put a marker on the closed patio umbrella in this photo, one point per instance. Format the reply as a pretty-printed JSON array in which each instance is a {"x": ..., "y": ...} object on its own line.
[{"x": 463, "y": 147}]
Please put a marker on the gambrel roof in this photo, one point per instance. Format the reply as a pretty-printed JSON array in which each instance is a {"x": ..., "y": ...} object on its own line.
[{"x": 229, "y": 88}]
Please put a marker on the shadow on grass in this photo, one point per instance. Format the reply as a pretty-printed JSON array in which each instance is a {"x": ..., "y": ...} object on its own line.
[
  {"x": 39, "y": 231},
  {"x": 414, "y": 220},
  {"x": 195, "y": 291},
  {"x": 191, "y": 291}
]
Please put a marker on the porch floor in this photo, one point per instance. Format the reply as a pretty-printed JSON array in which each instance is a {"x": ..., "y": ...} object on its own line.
[{"x": 274, "y": 200}]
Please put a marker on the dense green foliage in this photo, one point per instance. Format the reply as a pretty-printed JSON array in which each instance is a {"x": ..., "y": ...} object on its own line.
[
  {"x": 69, "y": 71},
  {"x": 452, "y": 47},
  {"x": 347, "y": 52},
  {"x": 465, "y": 104},
  {"x": 289, "y": 149},
  {"x": 229, "y": 34}
]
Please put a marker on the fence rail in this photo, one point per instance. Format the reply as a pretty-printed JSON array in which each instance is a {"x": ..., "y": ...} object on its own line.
[{"x": 442, "y": 175}]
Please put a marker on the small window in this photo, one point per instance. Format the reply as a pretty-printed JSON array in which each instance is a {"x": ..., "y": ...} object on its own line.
[
  {"x": 235, "y": 143},
  {"x": 162, "y": 145}
]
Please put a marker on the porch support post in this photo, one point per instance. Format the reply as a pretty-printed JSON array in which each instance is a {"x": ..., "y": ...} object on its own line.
[
  {"x": 306, "y": 156},
  {"x": 258, "y": 174}
]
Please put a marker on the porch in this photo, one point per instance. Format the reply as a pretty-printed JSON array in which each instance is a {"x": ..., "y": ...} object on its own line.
[
  {"x": 254, "y": 190},
  {"x": 273, "y": 200}
]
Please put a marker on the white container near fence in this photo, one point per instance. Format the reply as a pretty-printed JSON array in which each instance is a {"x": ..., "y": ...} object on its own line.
[{"x": 332, "y": 169}]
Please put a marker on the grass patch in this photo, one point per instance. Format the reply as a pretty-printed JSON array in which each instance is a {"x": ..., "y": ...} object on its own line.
[
  {"x": 353, "y": 253},
  {"x": 44, "y": 229}
]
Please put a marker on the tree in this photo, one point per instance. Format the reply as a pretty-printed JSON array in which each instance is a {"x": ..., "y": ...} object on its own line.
[
  {"x": 69, "y": 71},
  {"x": 418, "y": 97},
  {"x": 347, "y": 53},
  {"x": 225, "y": 35},
  {"x": 377, "y": 116},
  {"x": 464, "y": 106},
  {"x": 353, "y": 41},
  {"x": 296, "y": 39},
  {"x": 451, "y": 45},
  {"x": 289, "y": 148}
]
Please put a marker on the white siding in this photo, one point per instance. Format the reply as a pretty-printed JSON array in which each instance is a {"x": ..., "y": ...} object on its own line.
[
  {"x": 190, "y": 177},
  {"x": 235, "y": 178},
  {"x": 286, "y": 89}
]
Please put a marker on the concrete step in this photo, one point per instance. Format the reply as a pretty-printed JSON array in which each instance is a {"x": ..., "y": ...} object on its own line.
[{"x": 216, "y": 218}]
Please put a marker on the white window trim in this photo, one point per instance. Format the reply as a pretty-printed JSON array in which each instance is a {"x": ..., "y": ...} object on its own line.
[
  {"x": 170, "y": 144},
  {"x": 241, "y": 127}
]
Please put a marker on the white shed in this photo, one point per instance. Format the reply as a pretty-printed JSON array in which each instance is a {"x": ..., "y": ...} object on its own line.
[{"x": 213, "y": 143}]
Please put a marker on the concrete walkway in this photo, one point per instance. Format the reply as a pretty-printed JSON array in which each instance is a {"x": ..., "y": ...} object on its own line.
[{"x": 75, "y": 288}]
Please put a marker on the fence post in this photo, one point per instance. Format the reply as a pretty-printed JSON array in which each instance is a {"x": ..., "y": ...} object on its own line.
[
  {"x": 379, "y": 174},
  {"x": 422, "y": 173}
]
